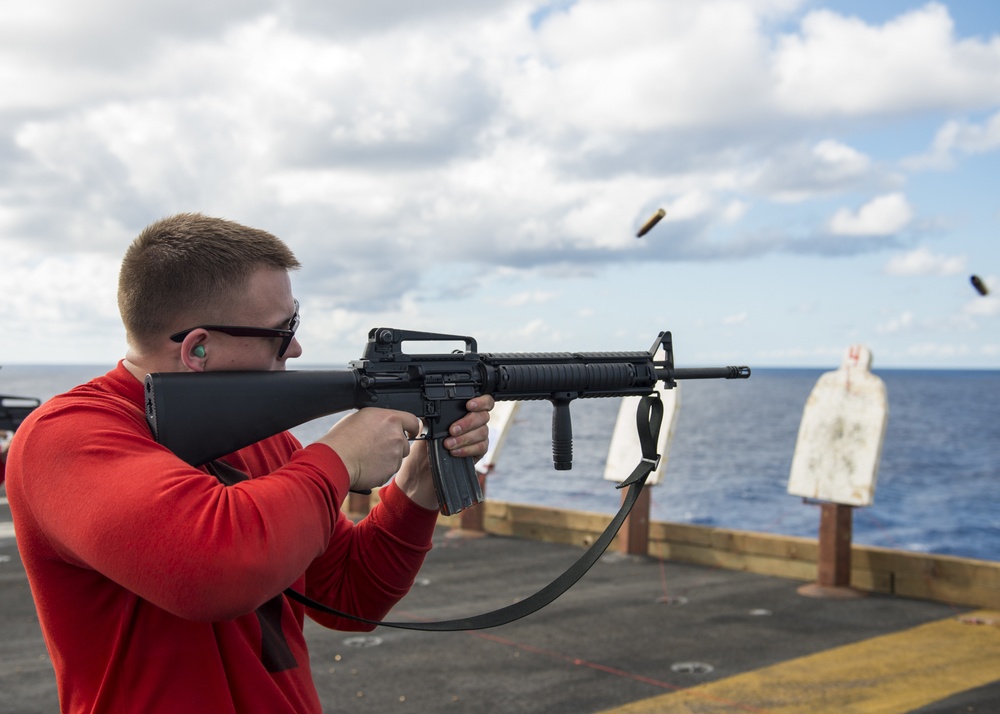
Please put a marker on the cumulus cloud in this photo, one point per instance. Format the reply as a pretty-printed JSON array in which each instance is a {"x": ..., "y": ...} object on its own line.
[
  {"x": 533, "y": 297},
  {"x": 938, "y": 351},
  {"x": 78, "y": 306},
  {"x": 633, "y": 66},
  {"x": 443, "y": 121},
  {"x": 958, "y": 136},
  {"x": 922, "y": 261},
  {"x": 903, "y": 321},
  {"x": 842, "y": 65},
  {"x": 389, "y": 138},
  {"x": 970, "y": 137},
  {"x": 882, "y": 216},
  {"x": 983, "y": 307},
  {"x": 799, "y": 172},
  {"x": 735, "y": 210}
]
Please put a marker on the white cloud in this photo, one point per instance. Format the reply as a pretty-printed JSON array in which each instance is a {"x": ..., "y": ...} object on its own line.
[
  {"x": 840, "y": 159},
  {"x": 903, "y": 321},
  {"x": 958, "y": 136},
  {"x": 842, "y": 65},
  {"x": 63, "y": 306},
  {"x": 922, "y": 261},
  {"x": 534, "y": 327},
  {"x": 815, "y": 355},
  {"x": 800, "y": 172},
  {"x": 882, "y": 216},
  {"x": 735, "y": 210},
  {"x": 387, "y": 140},
  {"x": 255, "y": 112},
  {"x": 985, "y": 306},
  {"x": 969, "y": 137},
  {"x": 809, "y": 307},
  {"x": 531, "y": 297},
  {"x": 938, "y": 351},
  {"x": 690, "y": 206},
  {"x": 636, "y": 65}
]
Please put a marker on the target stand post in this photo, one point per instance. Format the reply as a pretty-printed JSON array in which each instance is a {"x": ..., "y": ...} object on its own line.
[{"x": 836, "y": 461}]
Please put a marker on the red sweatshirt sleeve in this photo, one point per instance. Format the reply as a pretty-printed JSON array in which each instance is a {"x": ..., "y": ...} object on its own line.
[
  {"x": 128, "y": 549},
  {"x": 370, "y": 566},
  {"x": 108, "y": 498}
]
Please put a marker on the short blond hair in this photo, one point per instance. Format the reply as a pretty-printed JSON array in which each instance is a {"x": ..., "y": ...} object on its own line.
[{"x": 190, "y": 264}]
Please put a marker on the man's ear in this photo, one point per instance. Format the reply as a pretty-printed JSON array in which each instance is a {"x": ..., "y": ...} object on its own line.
[{"x": 194, "y": 350}]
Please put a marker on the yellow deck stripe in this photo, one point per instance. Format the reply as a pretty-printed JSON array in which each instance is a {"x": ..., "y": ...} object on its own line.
[{"x": 891, "y": 673}]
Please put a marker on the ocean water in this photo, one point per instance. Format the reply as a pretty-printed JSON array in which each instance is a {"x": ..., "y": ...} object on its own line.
[{"x": 938, "y": 487}]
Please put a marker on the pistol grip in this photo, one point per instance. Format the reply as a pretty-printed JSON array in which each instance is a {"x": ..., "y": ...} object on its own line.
[{"x": 455, "y": 479}]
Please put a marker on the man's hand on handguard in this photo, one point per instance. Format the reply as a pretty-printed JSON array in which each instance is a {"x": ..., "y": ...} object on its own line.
[{"x": 469, "y": 436}]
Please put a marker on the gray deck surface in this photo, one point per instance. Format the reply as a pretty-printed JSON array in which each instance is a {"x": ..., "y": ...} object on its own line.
[{"x": 620, "y": 635}]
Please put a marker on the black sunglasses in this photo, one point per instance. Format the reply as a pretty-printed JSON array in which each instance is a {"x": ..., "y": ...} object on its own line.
[{"x": 237, "y": 331}]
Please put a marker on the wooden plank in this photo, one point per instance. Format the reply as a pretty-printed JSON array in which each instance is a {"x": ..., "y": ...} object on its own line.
[
  {"x": 729, "y": 560},
  {"x": 961, "y": 581},
  {"x": 679, "y": 533},
  {"x": 545, "y": 534},
  {"x": 872, "y": 581},
  {"x": 966, "y": 571},
  {"x": 945, "y": 591},
  {"x": 942, "y": 578},
  {"x": 555, "y": 518},
  {"x": 791, "y": 547}
]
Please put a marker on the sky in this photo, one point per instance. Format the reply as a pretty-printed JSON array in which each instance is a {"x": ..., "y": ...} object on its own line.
[{"x": 829, "y": 170}]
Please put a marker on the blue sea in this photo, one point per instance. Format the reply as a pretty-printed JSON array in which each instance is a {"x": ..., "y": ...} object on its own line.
[{"x": 938, "y": 488}]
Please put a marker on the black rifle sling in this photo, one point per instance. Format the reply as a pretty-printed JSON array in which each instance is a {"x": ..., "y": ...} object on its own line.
[{"x": 649, "y": 416}]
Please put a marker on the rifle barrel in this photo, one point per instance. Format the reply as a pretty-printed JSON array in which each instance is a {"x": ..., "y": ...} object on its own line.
[{"x": 742, "y": 372}]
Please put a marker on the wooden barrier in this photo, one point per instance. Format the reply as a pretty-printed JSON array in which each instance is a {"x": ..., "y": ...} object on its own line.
[
  {"x": 943, "y": 578},
  {"x": 633, "y": 538}
]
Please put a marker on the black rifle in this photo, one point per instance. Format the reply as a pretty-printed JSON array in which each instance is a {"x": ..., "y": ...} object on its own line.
[
  {"x": 14, "y": 410},
  {"x": 201, "y": 417}
]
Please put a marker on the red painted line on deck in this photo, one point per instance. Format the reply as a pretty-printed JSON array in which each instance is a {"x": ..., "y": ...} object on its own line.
[{"x": 580, "y": 662}]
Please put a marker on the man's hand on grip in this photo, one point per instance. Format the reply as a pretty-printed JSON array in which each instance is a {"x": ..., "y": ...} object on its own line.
[{"x": 372, "y": 443}]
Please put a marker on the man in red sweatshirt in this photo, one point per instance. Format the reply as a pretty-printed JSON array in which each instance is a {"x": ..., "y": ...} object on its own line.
[{"x": 159, "y": 585}]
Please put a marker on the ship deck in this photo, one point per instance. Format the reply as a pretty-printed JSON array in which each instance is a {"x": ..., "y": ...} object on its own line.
[{"x": 636, "y": 634}]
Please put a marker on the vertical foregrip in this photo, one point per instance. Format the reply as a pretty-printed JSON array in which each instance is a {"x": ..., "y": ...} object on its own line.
[
  {"x": 562, "y": 435},
  {"x": 455, "y": 480}
]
